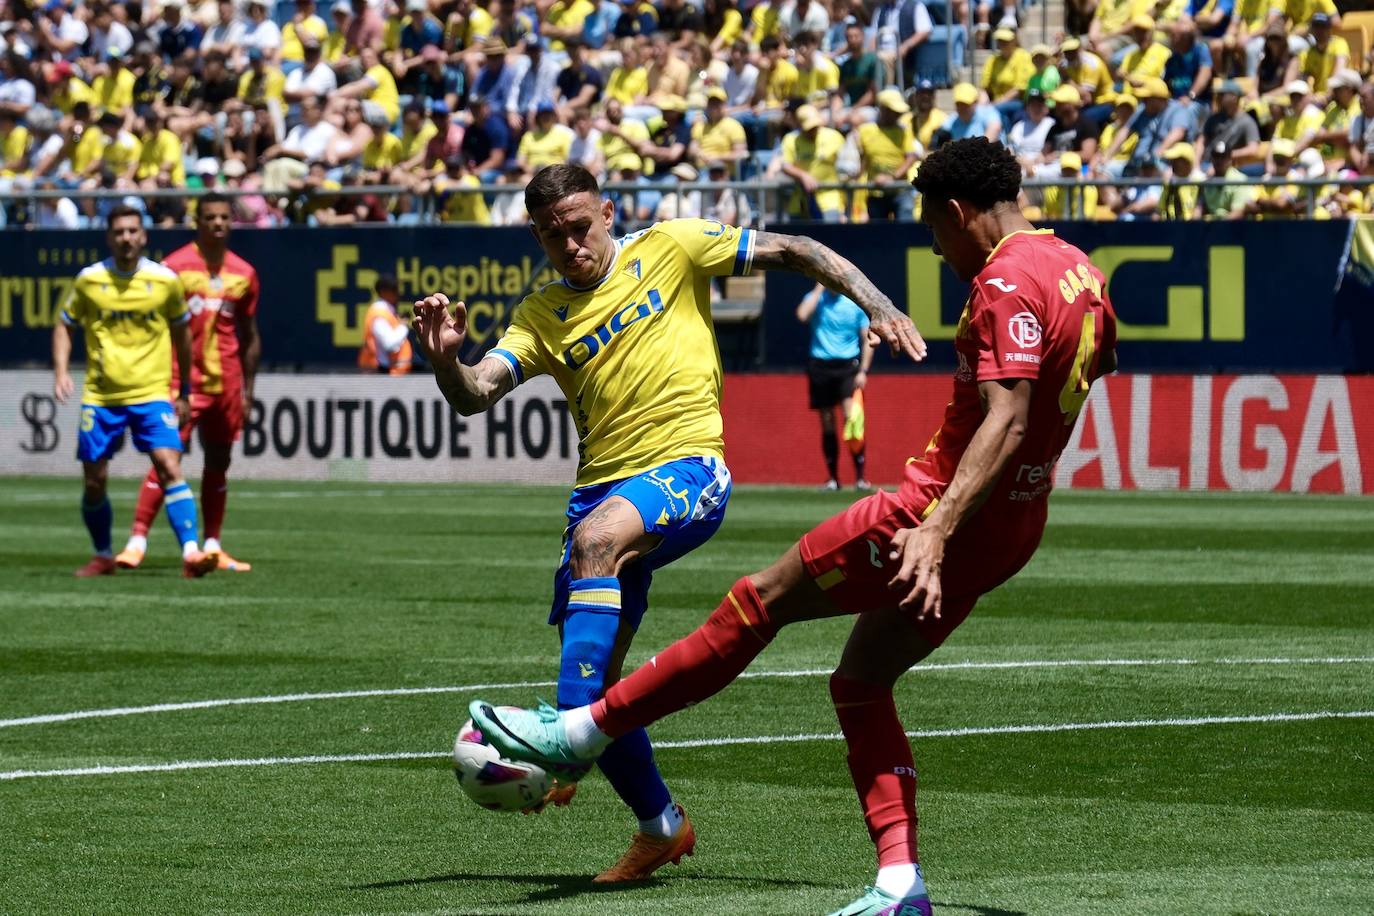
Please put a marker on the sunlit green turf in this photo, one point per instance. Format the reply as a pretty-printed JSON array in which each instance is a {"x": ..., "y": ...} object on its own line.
[{"x": 362, "y": 587}]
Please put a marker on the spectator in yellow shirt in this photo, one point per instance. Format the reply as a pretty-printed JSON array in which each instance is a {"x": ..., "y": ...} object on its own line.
[
  {"x": 66, "y": 89},
  {"x": 620, "y": 140},
  {"x": 1299, "y": 14},
  {"x": 777, "y": 82},
  {"x": 925, "y": 118},
  {"x": 120, "y": 152},
  {"x": 303, "y": 20},
  {"x": 1123, "y": 111},
  {"x": 114, "y": 88},
  {"x": 261, "y": 82},
  {"x": 15, "y": 143},
  {"x": 458, "y": 201},
  {"x": 1077, "y": 202},
  {"x": 1298, "y": 121},
  {"x": 1006, "y": 75},
  {"x": 717, "y": 137},
  {"x": 888, "y": 151},
  {"x": 1147, "y": 59},
  {"x": 160, "y": 163},
  {"x": 628, "y": 83},
  {"x": 1090, "y": 75},
  {"x": 809, "y": 157},
  {"x": 1327, "y": 54},
  {"x": 548, "y": 142},
  {"x": 817, "y": 74},
  {"x": 1178, "y": 199},
  {"x": 376, "y": 85},
  {"x": 564, "y": 20},
  {"x": 1109, "y": 33},
  {"x": 1333, "y": 139}
]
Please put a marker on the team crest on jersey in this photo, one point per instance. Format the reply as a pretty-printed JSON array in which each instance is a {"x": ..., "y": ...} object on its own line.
[
  {"x": 633, "y": 268},
  {"x": 561, "y": 311},
  {"x": 1024, "y": 328}
]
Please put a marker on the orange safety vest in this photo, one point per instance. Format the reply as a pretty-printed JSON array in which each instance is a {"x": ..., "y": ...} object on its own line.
[{"x": 399, "y": 364}]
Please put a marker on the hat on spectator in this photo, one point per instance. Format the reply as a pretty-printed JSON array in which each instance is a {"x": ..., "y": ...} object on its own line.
[
  {"x": 715, "y": 93},
  {"x": 1066, "y": 95},
  {"x": 60, "y": 71},
  {"x": 965, "y": 94},
  {"x": 113, "y": 52},
  {"x": 266, "y": 4},
  {"x": 167, "y": 5},
  {"x": 1152, "y": 88},
  {"x": 684, "y": 171},
  {"x": 494, "y": 47},
  {"x": 1319, "y": 18},
  {"x": 1180, "y": 150},
  {"x": 1126, "y": 99},
  {"x": 1035, "y": 95},
  {"x": 1297, "y": 87},
  {"x": 342, "y": 6},
  {"x": 671, "y": 103},
  {"x": 1004, "y": 35},
  {"x": 207, "y": 165},
  {"x": 1230, "y": 87},
  {"x": 417, "y": 6},
  {"x": 808, "y": 117},
  {"x": 55, "y": 5},
  {"x": 21, "y": 51},
  {"x": 892, "y": 100},
  {"x": 1344, "y": 78},
  {"x": 1070, "y": 44},
  {"x": 438, "y": 107},
  {"x": 545, "y": 107},
  {"x": 234, "y": 168},
  {"x": 1071, "y": 160},
  {"x": 1142, "y": 21},
  {"x": 1310, "y": 161},
  {"x": 1283, "y": 148},
  {"x": 110, "y": 119},
  {"x": 1041, "y": 50}
]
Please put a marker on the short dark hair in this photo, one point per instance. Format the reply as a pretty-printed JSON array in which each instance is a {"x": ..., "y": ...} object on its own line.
[
  {"x": 769, "y": 43},
  {"x": 556, "y": 182},
  {"x": 121, "y": 211},
  {"x": 385, "y": 283},
  {"x": 214, "y": 197},
  {"x": 974, "y": 170}
]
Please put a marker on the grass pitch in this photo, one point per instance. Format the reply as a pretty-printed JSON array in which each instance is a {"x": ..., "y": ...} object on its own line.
[{"x": 1183, "y": 607}]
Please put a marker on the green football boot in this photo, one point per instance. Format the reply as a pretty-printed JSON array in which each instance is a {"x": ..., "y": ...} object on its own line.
[
  {"x": 876, "y": 903},
  {"x": 534, "y": 736}
]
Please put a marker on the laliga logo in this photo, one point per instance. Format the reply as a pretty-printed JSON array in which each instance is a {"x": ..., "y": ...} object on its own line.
[{"x": 1024, "y": 329}]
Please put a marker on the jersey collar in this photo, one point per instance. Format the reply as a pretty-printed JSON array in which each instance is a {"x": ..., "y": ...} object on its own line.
[
  {"x": 1010, "y": 235},
  {"x": 609, "y": 271}
]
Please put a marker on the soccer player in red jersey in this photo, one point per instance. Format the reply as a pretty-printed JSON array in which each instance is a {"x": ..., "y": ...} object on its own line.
[
  {"x": 1036, "y": 332},
  {"x": 222, "y": 294}
]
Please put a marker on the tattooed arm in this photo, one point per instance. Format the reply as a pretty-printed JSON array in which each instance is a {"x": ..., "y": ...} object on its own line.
[
  {"x": 469, "y": 389},
  {"x": 775, "y": 251}
]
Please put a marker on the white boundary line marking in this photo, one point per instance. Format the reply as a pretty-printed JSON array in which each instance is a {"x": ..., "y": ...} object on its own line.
[
  {"x": 1043, "y": 728},
  {"x": 115, "y": 712}
]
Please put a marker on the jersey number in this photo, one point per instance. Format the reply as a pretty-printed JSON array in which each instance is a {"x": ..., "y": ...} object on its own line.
[{"x": 1075, "y": 390}]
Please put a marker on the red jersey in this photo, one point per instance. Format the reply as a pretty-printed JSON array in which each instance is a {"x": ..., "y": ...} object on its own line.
[
  {"x": 1037, "y": 310},
  {"x": 215, "y": 301}
]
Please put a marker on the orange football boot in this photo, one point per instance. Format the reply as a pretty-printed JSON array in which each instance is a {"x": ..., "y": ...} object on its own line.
[
  {"x": 647, "y": 854},
  {"x": 229, "y": 564},
  {"x": 198, "y": 564},
  {"x": 129, "y": 558}
]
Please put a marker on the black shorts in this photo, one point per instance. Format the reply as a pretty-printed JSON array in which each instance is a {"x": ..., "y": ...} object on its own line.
[{"x": 831, "y": 381}]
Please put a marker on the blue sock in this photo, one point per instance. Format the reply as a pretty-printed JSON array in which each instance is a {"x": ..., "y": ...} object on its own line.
[
  {"x": 99, "y": 521},
  {"x": 181, "y": 512},
  {"x": 589, "y": 631}
]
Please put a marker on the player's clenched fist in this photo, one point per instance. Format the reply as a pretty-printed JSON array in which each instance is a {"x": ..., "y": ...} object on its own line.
[{"x": 440, "y": 333}]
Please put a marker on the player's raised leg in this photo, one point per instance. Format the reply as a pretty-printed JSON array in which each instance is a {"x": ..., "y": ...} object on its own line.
[{"x": 181, "y": 512}]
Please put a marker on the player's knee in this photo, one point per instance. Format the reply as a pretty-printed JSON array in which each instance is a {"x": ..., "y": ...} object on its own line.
[{"x": 591, "y": 555}]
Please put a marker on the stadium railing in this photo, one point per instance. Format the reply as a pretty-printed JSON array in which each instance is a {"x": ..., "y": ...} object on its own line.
[{"x": 768, "y": 199}]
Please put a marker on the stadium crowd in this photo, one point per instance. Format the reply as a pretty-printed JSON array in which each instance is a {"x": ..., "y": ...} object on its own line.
[{"x": 435, "y": 98}]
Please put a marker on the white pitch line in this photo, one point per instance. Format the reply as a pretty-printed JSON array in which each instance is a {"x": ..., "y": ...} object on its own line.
[
  {"x": 118, "y": 711},
  {"x": 1034, "y": 728}
]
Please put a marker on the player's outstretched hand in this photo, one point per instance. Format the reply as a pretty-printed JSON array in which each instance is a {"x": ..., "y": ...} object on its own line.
[
  {"x": 440, "y": 334},
  {"x": 62, "y": 388},
  {"x": 897, "y": 331},
  {"x": 921, "y": 552}
]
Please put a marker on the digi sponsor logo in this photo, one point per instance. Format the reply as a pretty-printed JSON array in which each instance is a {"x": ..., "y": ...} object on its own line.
[
  {"x": 1024, "y": 329},
  {"x": 586, "y": 348}
]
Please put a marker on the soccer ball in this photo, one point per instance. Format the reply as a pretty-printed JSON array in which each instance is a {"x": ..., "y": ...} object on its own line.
[{"x": 491, "y": 780}]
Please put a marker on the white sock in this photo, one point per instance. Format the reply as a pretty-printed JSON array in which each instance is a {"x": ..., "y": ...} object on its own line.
[
  {"x": 901, "y": 881},
  {"x": 137, "y": 542},
  {"x": 212, "y": 545},
  {"x": 584, "y": 737},
  {"x": 667, "y": 824},
  {"x": 188, "y": 548}
]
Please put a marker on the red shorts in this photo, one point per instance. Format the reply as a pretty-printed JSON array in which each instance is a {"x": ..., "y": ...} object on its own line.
[
  {"x": 219, "y": 416},
  {"x": 847, "y": 555}
]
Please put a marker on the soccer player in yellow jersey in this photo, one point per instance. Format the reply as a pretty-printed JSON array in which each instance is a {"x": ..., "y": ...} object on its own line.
[
  {"x": 130, "y": 309},
  {"x": 627, "y": 335}
]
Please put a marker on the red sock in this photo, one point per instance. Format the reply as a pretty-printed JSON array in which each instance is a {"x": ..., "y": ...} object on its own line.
[
  {"x": 882, "y": 767},
  {"x": 149, "y": 503},
  {"x": 214, "y": 492},
  {"x": 693, "y": 668}
]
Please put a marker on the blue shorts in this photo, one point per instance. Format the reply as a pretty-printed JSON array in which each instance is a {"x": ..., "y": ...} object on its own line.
[
  {"x": 153, "y": 425},
  {"x": 683, "y": 502}
]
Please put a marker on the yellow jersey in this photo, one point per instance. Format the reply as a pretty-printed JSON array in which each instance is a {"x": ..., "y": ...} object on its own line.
[
  {"x": 932, "y": 121},
  {"x": 1091, "y": 71},
  {"x": 1299, "y": 12},
  {"x": 159, "y": 152},
  {"x": 635, "y": 355},
  {"x": 1003, "y": 74},
  {"x": 1255, "y": 13},
  {"x": 818, "y": 158},
  {"x": 87, "y": 149},
  {"x": 823, "y": 76},
  {"x": 384, "y": 93},
  {"x": 65, "y": 99},
  {"x": 782, "y": 84},
  {"x": 885, "y": 148},
  {"x": 568, "y": 14},
  {"x": 413, "y": 145},
  {"x": 382, "y": 151},
  {"x": 617, "y": 151},
  {"x": 121, "y": 152},
  {"x": 1318, "y": 66},
  {"x": 1076, "y": 202},
  {"x": 14, "y": 146},
  {"x": 456, "y": 206},
  {"x": 291, "y": 39},
  {"x": 1298, "y": 124},
  {"x": 256, "y": 90},
  {"x": 126, "y": 319},
  {"x": 1147, "y": 64},
  {"x": 1114, "y": 15},
  {"x": 114, "y": 92},
  {"x": 627, "y": 85},
  {"x": 731, "y": 27},
  {"x": 468, "y": 31},
  {"x": 718, "y": 140},
  {"x": 763, "y": 22},
  {"x": 539, "y": 148}
]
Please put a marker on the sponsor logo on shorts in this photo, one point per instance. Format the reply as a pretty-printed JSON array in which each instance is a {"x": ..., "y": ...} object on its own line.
[
  {"x": 169, "y": 420},
  {"x": 585, "y": 669},
  {"x": 1024, "y": 328}
]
